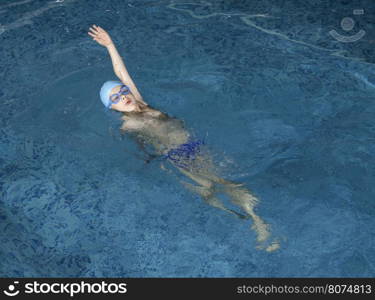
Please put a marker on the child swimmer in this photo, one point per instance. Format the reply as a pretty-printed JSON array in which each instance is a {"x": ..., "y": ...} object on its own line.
[{"x": 170, "y": 140}]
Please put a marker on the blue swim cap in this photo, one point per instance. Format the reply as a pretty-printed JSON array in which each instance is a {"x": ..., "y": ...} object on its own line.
[{"x": 105, "y": 91}]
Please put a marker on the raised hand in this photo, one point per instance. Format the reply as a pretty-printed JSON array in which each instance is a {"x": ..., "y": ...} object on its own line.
[{"x": 99, "y": 35}]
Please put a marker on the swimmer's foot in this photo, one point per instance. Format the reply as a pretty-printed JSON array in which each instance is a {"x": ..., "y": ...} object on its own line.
[{"x": 275, "y": 245}]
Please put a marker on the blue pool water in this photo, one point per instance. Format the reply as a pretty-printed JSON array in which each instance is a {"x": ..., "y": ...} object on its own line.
[{"x": 286, "y": 108}]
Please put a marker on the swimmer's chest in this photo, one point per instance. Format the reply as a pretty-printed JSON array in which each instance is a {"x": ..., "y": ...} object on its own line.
[
  {"x": 143, "y": 124},
  {"x": 167, "y": 132}
]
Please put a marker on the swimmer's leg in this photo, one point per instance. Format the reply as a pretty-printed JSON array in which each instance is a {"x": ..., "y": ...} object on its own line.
[
  {"x": 207, "y": 190},
  {"x": 239, "y": 195},
  {"x": 243, "y": 198},
  {"x": 203, "y": 167},
  {"x": 204, "y": 182},
  {"x": 208, "y": 196}
]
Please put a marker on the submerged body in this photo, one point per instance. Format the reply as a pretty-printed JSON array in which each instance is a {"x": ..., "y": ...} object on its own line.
[
  {"x": 156, "y": 128},
  {"x": 166, "y": 134},
  {"x": 171, "y": 140}
]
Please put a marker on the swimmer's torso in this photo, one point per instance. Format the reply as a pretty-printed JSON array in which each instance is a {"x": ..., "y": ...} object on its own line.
[{"x": 157, "y": 129}]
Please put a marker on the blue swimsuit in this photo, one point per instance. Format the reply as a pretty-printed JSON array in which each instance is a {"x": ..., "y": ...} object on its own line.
[{"x": 184, "y": 154}]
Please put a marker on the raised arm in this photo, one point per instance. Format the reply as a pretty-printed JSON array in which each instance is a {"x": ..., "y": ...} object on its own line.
[{"x": 102, "y": 37}]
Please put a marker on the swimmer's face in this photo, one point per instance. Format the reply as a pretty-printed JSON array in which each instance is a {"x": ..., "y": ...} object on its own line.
[{"x": 127, "y": 102}]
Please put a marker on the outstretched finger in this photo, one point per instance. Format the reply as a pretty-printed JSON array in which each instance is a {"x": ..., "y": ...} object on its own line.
[
  {"x": 91, "y": 34},
  {"x": 93, "y": 30}
]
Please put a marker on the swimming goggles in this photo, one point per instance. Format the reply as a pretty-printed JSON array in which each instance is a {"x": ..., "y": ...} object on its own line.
[{"x": 115, "y": 98}]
